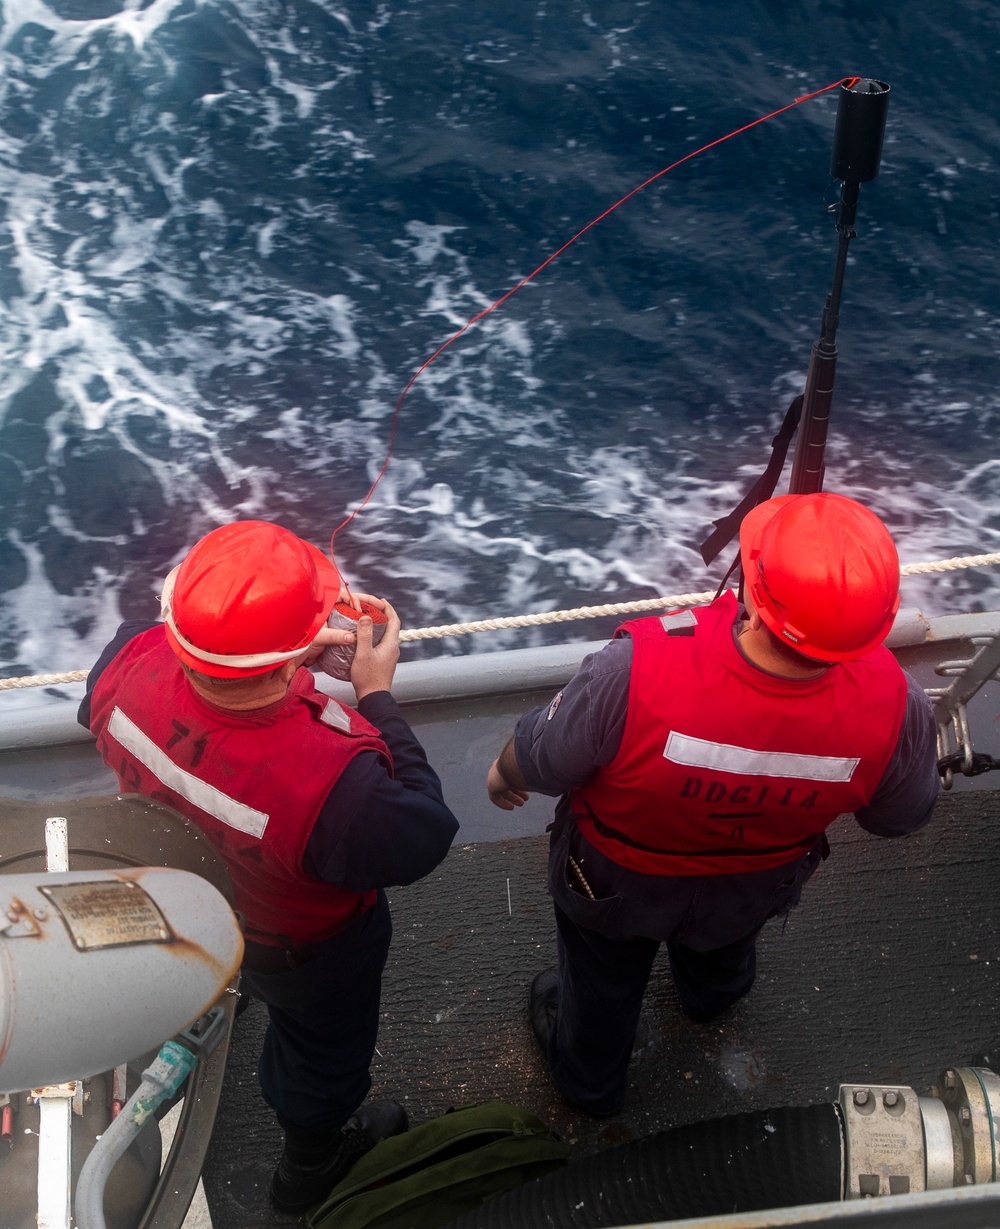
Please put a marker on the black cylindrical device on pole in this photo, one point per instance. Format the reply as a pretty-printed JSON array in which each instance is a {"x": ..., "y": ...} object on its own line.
[
  {"x": 857, "y": 152},
  {"x": 857, "y": 138}
]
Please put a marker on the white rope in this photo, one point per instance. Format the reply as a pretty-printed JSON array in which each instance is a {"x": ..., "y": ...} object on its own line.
[
  {"x": 557, "y": 616},
  {"x": 949, "y": 565},
  {"x": 44, "y": 680},
  {"x": 550, "y": 616}
]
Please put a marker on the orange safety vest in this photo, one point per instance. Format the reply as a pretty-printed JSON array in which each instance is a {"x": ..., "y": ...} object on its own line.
[
  {"x": 724, "y": 768},
  {"x": 253, "y": 782}
]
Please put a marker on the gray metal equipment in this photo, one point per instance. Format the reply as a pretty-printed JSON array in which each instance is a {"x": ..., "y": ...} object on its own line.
[{"x": 134, "y": 926}]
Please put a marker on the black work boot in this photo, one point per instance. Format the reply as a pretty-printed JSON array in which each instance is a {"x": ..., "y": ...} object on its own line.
[
  {"x": 543, "y": 1003},
  {"x": 313, "y": 1162}
]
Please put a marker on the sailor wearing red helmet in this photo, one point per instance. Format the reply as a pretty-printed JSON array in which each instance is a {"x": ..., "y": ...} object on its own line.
[
  {"x": 700, "y": 758},
  {"x": 315, "y": 807}
]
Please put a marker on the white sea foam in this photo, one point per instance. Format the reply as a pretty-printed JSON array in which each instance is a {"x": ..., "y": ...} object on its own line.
[
  {"x": 137, "y": 21},
  {"x": 194, "y": 306}
]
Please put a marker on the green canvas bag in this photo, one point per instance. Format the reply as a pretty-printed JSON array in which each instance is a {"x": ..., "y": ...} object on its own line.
[{"x": 435, "y": 1172}]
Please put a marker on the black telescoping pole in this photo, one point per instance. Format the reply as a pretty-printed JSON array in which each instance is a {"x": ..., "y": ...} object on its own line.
[{"x": 857, "y": 150}]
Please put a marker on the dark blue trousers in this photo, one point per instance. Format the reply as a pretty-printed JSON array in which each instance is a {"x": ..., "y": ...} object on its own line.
[
  {"x": 601, "y": 987},
  {"x": 323, "y": 1020},
  {"x": 606, "y": 947}
]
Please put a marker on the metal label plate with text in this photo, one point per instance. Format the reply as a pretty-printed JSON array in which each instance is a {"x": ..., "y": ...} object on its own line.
[{"x": 111, "y": 913}]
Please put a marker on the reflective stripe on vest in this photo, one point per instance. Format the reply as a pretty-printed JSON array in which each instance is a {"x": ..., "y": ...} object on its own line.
[
  {"x": 199, "y": 793},
  {"x": 697, "y": 753}
]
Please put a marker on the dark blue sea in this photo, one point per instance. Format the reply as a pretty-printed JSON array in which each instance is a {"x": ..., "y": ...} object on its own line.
[{"x": 231, "y": 232}]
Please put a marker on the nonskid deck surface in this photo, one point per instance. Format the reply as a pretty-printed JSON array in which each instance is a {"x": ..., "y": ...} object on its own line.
[{"x": 888, "y": 971}]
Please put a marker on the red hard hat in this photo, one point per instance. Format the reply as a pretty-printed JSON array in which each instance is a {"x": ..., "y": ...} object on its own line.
[
  {"x": 823, "y": 572},
  {"x": 247, "y": 597}
]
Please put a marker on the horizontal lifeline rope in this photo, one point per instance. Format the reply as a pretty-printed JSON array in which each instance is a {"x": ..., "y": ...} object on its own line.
[{"x": 549, "y": 616}]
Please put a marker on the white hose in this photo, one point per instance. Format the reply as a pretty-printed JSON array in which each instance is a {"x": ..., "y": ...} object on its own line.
[{"x": 169, "y": 1070}]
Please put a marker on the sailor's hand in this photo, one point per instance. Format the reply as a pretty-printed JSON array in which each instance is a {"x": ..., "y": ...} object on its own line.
[
  {"x": 501, "y": 794},
  {"x": 375, "y": 665},
  {"x": 324, "y": 637},
  {"x": 355, "y": 599},
  {"x": 352, "y": 599}
]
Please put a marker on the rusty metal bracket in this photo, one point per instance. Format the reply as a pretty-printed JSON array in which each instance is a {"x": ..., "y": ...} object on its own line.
[{"x": 17, "y": 921}]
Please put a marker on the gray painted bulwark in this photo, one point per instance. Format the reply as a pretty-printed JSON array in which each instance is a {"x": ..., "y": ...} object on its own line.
[{"x": 47, "y": 716}]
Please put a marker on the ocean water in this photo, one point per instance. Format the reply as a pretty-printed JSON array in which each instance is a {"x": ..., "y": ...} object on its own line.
[{"x": 232, "y": 232}]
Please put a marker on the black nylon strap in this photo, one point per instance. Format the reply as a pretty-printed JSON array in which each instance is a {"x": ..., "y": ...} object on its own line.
[
  {"x": 615, "y": 835},
  {"x": 727, "y": 527}
]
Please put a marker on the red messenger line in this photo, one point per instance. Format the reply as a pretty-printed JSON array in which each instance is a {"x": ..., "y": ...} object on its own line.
[{"x": 846, "y": 81}]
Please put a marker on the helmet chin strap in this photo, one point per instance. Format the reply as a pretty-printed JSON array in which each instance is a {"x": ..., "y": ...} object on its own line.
[{"x": 244, "y": 661}]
